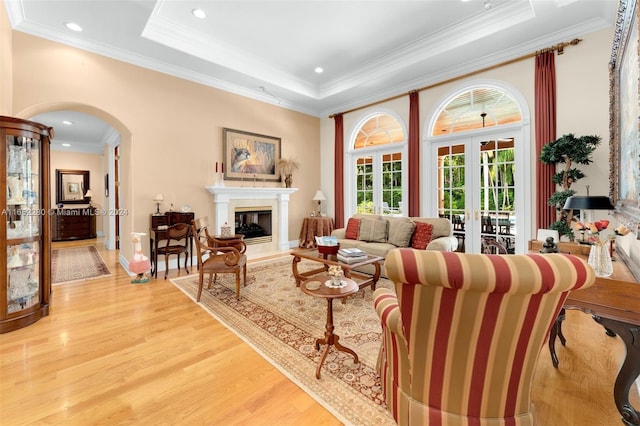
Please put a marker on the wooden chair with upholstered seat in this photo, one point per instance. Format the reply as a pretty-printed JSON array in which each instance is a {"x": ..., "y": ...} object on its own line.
[
  {"x": 177, "y": 239},
  {"x": 214, "y": 260},
  {"x": 462, "y": 332}
]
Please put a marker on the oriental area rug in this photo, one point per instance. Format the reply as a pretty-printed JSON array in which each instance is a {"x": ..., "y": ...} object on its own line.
[
  {"x": 282, "y": 324},
  {"x": 76, "y": 264}
]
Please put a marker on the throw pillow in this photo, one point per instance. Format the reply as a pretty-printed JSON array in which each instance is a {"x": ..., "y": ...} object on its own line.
[
  {"x": 374, "y": 230},
  {"x": 400, "y": 232},
  {"x": 421, "y": 236},
  {"x": 351, "y": 232}
]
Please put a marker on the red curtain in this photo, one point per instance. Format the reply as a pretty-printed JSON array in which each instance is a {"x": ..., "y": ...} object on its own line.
[
  {"x": 339, "y": 171},
  {"x": 545, "y": 116},
  {"x": 414, "y": 155}
]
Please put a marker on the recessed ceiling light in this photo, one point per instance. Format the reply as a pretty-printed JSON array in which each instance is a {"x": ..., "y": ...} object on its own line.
[
  {"x": 319, "y": 70},
  {"x": 199, "y": 13},
  {"x": 73, "y": 26},
  {"x": 66, "y": 144},
  {"x": 67, "y": 122}
]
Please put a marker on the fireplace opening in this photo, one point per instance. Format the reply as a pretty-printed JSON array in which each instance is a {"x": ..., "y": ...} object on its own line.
[{"x": 254, "y": 223}]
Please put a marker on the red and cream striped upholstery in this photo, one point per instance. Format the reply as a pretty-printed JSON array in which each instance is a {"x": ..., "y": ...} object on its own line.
[{"x": 462, "y": 332}]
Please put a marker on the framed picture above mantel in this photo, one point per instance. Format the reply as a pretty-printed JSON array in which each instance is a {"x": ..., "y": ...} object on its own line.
[
  {"x": 250, "y": 156},
  {"x": 624, "y": 120}
]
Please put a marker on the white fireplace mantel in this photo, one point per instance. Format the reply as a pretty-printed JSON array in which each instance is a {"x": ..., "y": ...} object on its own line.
[{"x": 223, "y": 195}]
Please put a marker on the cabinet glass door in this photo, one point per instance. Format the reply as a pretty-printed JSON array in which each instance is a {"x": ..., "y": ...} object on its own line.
[
  {"x": 23, "y": 271},
  {"x": 24, "y": 217}
]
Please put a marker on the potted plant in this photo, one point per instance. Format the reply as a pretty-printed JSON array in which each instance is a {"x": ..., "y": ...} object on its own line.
[
  {"x": 568, "y": 150},
  {"x": 286, "y": 167}
]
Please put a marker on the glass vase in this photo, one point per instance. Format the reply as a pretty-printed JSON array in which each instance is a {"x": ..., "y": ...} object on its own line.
[{"x": 600, "y": 259}]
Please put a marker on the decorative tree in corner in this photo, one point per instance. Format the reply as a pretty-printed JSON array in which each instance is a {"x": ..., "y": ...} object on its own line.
[{"x": 567, "y": 150}]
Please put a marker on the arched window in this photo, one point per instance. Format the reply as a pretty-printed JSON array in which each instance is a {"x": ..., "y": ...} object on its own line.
[
  {"x": 475, "y": 109},
  {"x": 377, "y": 160}
]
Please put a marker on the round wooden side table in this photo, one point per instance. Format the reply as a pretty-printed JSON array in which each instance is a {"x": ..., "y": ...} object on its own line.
[{"x": 329, "y": 293}]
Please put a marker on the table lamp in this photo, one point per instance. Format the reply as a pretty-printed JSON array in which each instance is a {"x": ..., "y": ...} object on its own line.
[
  {"x": 599, "y": 202},
  {"x": 319, "y": 197},
  {"x": 158, "y": 198}
]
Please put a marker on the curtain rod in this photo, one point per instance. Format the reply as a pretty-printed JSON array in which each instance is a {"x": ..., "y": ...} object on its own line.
[{"x": 558, "y": 47}]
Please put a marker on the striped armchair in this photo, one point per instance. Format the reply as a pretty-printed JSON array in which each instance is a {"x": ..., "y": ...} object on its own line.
[{"x": 462, "y": 332}]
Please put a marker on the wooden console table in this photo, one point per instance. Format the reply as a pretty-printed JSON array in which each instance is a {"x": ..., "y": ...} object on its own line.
[
  {"x": 615, "y": 304},
  {"x": 160, "y": 222}
]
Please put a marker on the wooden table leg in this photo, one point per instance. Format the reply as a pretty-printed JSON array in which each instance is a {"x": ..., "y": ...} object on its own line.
[
  {"x": 155, "y": 258},
  {"x": 331, "y": 339},
  {"x": 630, "y": 369},
  {"x": 376, "y": 276},
  {"x": 294, "y": 268},
  {"x": 302, "y": 276},
  {"x": 151, "y": 252}
]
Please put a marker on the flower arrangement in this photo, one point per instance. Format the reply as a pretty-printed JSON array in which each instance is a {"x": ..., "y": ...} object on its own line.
[
  {"x": 594, "y": 229},
  {"x": 287, "y": 166},
  {"x": 334, "y": 271}
]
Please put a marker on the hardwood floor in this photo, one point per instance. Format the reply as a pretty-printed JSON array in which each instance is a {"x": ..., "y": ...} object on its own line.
[{"x": 112, "y": 352}]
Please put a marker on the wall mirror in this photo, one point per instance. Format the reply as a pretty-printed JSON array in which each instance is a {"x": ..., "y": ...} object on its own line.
[{"x": 71, "y": 185}]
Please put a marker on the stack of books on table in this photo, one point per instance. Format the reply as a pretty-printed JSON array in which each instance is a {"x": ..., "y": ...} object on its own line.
[{"x": 351, "y": 255}]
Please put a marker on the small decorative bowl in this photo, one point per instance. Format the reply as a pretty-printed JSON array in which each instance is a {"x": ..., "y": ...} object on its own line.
[{"x": 328, "y": 249}]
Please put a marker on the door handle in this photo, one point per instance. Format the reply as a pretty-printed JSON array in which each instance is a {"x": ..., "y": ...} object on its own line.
[{"x": 475, "y": 215}]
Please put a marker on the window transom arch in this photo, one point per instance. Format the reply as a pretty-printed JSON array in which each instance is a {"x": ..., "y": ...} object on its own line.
[
  {"x": 378, "y": 129},
  {"x": 476, "y": 108}
]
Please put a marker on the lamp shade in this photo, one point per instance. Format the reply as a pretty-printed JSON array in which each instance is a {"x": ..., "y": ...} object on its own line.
[
  {"x": 158, "y": 197},
  {"x": 588, "y": 203},
  {"x": 319, "y": 196}
]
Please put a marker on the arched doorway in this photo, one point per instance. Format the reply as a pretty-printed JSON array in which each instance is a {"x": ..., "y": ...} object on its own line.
[
  {"x": 117, "y": 139},
  {"x": 477, "y": 167}
]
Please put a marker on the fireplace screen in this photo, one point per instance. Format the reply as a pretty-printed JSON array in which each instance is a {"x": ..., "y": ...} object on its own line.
[{"x": 254, "y": 223}]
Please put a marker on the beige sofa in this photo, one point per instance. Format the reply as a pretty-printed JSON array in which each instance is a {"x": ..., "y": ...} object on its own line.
[{"x": 389, "y": 232}]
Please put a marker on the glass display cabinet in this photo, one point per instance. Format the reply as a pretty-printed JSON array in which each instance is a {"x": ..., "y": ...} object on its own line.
[{"x": 25, "y": 237}]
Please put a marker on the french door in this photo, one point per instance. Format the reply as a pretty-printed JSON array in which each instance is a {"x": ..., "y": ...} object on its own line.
[
  {"x": 472, "y": 182},
  {"x": 380, "y": 182}
]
